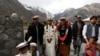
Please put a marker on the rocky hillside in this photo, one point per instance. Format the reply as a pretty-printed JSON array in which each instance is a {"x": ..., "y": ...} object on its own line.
[
  {"x": 86, "y": 11},
  {"x": 37, "y": 11},
  {"x": 7, "y": 7}
]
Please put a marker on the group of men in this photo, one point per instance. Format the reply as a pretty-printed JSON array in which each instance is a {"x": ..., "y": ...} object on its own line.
[
  {"x": 82, "y": 32},
  {"x": 54, "y": 38}
]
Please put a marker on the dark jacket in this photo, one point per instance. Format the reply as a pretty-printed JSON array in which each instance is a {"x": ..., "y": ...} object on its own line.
[
  {"x": 32, "y": 31},
  {"x": 75, "y": 29}
]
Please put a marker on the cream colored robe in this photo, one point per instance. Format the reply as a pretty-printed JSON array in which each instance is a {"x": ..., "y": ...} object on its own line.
[{"x": 50, "y": 32}]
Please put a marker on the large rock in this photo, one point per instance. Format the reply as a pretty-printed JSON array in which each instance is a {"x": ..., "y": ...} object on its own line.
[
  {"x": 2, "y": 28},
  {"x": 11, "y": 34},
  {"x": 2, "y": 19}
]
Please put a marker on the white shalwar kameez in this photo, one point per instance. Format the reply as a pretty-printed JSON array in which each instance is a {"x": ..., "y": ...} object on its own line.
[{"x": 50, "y": 40}]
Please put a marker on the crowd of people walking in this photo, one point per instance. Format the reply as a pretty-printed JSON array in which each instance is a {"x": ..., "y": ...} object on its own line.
[{"x": 54, "y": 38}]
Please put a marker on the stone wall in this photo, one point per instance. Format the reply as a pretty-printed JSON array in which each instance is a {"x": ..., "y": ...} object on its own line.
[{"x": 11, "y": 34}]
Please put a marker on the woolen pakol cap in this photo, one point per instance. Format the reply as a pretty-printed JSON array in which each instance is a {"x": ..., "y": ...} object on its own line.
[
  {"x": 36, "y": 16},
  {"x": 49, "y": 19},
  {"x": 63, "y": 18},
  {"x": 14, "y": 15},
  {"x": 21, "y": 45},
  {"x": 33, "y": 44},
  {"x": 78, "y": 16}
]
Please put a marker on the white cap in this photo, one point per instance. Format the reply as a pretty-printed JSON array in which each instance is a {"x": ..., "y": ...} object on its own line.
[
  {"x": 21, "y": 45},
  {"x": 33, "y": 44}
]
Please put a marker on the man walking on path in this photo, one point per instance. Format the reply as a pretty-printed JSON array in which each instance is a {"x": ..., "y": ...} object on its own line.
[
  {"x": 89, "y": 30},
  {"x": 65, "y": 36},
  {"x": 50, "y": 39},
  {"x": 77, "y": 34},
  {"x": 98, "y": 24},
  {"x": 36, "y": 30}
]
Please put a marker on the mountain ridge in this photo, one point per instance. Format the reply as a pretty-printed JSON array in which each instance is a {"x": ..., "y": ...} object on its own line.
[
  {"x": 85, "y": 11},
  {"x": 14, "y": 6}
]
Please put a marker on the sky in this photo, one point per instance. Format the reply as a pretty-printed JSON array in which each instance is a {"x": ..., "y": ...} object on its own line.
[{"x": 57, "y": 6}]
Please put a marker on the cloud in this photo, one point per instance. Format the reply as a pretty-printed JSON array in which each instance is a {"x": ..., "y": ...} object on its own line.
[
  {"x": 41, "y": 3},
  {"x": 55, "y": 6}
]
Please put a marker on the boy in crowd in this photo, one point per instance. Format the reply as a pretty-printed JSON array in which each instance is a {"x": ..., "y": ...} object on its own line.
[
  {"x": 92, "y": 47},
  {"x": 33, "y": 49},
  {"x": 23, "y": 49}
]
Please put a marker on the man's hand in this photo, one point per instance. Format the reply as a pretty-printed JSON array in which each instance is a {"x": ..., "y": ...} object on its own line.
[
  {"x": 88, "y": 45},
  {"x": 98, "y": 47},
  {"x": 72, "y": 37},
  {"x": 56, "y": 46},
  {"x": 43, "y": 46}
]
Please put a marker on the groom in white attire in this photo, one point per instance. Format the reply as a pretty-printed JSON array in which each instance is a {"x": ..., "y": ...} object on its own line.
[{"x": 50, "y": 39}]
